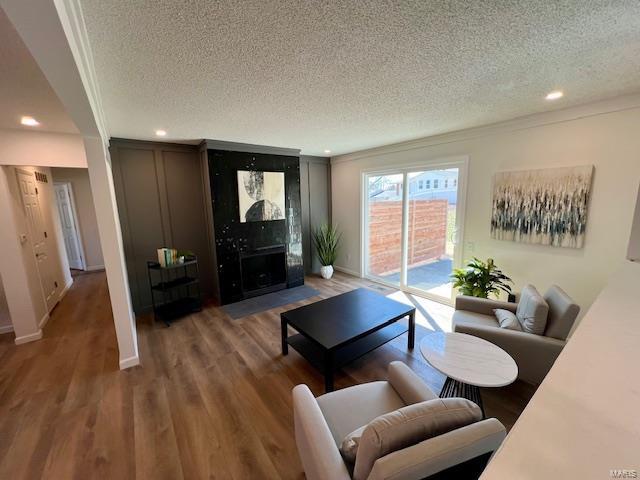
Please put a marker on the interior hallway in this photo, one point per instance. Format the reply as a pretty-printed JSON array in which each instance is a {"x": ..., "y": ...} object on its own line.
[{"x": 211, "y": 400}]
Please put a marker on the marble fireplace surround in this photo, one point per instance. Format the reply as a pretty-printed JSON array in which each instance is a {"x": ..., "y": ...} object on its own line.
[{"x": 231, "y": 238}]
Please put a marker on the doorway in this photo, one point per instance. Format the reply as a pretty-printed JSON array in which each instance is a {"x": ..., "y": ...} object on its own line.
[
  {"x": 38, "y": 235},
  {"x": 70, "y": 226},
  {"x": 412, "y": 223}
]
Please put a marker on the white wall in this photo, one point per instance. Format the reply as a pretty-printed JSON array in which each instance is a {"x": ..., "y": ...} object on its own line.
[
  {"x": 88, "y": 223},
  {"x": 26, "y": 147},
  {"x": 610, "y": 141}
]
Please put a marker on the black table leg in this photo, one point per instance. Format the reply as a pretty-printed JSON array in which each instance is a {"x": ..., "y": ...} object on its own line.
[
  {"x": 454, "y": 388},
  {"x": 412, "y": 330},
  {"x": 328, "y": 371},
  {"x": 283, "y": 334}
]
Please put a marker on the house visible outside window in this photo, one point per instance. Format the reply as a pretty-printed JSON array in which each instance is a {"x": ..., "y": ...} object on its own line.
[
  {"x": 435, "y": 183},
  {"x": 455, "y": 182},
  {"x": 420, "y": 184},
  {"x": 428, "y": 184},
  {"x": 446, "y": 183}
]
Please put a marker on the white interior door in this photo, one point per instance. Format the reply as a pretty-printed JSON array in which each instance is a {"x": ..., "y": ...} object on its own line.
[
  {"x": 70, "y": 230},
  {"x": 38, "y": 236}
]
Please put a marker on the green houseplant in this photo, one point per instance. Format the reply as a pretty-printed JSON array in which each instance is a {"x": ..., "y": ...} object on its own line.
[
  {"x": 481, "y": 279},
  {"x": 326, "y": 239}
]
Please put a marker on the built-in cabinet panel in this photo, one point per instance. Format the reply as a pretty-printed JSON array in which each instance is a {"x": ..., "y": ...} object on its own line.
[
  {"x": 159, "y": 190},
  {"x": 315, "y": 188}
]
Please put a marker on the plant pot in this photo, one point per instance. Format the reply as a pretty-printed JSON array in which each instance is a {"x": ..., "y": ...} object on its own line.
[{"x": 326, "y": 271}]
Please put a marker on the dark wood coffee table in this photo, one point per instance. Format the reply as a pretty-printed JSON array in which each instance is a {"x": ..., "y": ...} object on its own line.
[{"x": 335, "y": 331}]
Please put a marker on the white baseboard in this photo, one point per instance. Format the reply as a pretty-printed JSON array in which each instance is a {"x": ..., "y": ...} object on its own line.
[
  {"x": 32, "y": 337},
  {"x": 65, "y": 290},
  {"x": 347, "y": 271},
  {"x": 6, "y": 329},
  {"x": 43, "y": 321},
  {"x": 129, "y": 362},
  {"x": 94, "y": 268}
]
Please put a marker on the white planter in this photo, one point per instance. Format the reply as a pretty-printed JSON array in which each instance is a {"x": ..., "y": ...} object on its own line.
[{"x": 326, "y": 271}]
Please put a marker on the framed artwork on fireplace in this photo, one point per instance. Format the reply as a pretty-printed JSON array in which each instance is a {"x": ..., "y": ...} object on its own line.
[{"x": 260, "y": 196}]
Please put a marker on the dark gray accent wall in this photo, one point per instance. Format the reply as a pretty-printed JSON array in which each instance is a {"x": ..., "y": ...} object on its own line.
[
  {"x": 315, "y": 191},
  {"x": 161, "y": 203}
]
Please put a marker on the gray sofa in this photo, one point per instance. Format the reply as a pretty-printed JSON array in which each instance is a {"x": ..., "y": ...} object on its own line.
[
  {"x": 534, "y": 354},
  {"x": 322, "y": 423}
]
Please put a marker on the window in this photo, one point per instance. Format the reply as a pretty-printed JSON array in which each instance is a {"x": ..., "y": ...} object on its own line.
[
  {"x": 435, "y": 183},
  {"x": 455, "y": 182},
  {"x": 446, "y": 183},
  {"x": 428, "y": 183},
  {"x": 420, "y": 184}
]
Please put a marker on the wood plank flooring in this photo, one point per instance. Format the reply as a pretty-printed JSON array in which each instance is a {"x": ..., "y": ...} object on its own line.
[{"x": 212, "y": 398}]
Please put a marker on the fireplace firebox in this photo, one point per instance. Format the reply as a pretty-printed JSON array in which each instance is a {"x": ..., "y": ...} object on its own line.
[{"x": 263, "y": 270}]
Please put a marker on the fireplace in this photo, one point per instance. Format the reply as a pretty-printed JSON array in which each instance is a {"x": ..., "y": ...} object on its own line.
[{"x": 263, "y": 270}]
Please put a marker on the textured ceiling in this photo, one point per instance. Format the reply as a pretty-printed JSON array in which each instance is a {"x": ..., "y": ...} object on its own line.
[
  {"x": 347, "y": 75},
  {"x": 24, "y": 90}
]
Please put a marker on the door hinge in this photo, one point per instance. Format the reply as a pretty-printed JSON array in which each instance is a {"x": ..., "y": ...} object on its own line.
[{"x": 45, "y": 235}]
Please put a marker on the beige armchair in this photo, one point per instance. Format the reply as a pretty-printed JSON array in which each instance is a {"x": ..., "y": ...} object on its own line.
[
  {"x": 534, "y": 354},
  {"x": 322, "y": 423}
]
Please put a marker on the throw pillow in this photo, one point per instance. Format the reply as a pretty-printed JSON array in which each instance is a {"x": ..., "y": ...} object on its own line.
[
  {"x": 532, "y": 311},
  {"x": 405, "y": 427},
  {"x": 507, "y": 319}
]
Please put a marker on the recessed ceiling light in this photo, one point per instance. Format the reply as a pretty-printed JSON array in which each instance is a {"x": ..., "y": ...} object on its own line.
[
  {"x": 554, "y": 95},
  {"x": 327, "y": 151},
  {"x": 29, "y": 121},
  {"x": 161, "y": 133}
]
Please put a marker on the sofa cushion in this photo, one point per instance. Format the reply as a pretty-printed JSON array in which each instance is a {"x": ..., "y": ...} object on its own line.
[
  {"x": 507, "y": 319},
  {"x": 405, "y": 427},
  {"x": 532, "y": 311},
  {"x": 350, "y": 408}
]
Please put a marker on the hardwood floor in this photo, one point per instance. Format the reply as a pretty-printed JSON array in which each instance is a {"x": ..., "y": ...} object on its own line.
[{"x": 212, "y": 398}]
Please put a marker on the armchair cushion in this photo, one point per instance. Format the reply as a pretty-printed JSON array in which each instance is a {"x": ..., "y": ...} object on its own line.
[
  {"x": 507, "y": 319},
  {"x": 405, "y": 427},
  {"x": 532, "y": 311},
  {"x": 464, "y": 316},
  {"x": 563, "y": 311},
  {"x": 483, "y": 306},
  {"x": 439, "y": 453},
  {"x": 350, "y": 408}
]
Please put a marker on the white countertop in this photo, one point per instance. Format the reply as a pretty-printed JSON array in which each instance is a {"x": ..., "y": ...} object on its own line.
[{"x": 584, "y": 420}]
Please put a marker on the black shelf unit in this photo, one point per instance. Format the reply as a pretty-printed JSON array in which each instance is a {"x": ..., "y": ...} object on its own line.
[{"x": 176, "y": 289}]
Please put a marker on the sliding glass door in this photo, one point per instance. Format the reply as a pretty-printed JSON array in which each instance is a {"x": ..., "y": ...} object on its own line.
[
  {"x": 412, "y": 221},
  {"x": 384, "y": 223}
]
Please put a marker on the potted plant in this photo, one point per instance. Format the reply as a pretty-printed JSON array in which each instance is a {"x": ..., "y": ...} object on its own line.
[
  {"x": 480, "y": 279},
  {"x": 326, "y": 239}
]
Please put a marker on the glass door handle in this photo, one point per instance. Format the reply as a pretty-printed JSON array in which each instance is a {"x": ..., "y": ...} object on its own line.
[{"x": 454, "y": 236}]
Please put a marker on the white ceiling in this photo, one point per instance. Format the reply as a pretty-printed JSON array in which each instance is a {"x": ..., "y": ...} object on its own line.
[
  {"x": 348, "y": 75},
  {"x": 24, "y": 90}
]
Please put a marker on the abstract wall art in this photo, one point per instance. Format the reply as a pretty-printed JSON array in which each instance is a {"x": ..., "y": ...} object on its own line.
[
  {"x": 547, "y": 206},
  {"x": 260, "y": 196}
]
